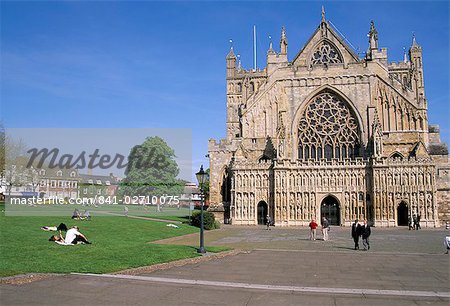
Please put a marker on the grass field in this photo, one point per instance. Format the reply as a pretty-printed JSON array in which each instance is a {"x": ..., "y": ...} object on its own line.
[
  {"x": 117, "y": 243},
  {"x": 67, "y": 209}
]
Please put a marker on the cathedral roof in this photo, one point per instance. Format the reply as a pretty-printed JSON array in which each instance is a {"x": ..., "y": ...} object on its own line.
[{"x": 325, "y": 32}]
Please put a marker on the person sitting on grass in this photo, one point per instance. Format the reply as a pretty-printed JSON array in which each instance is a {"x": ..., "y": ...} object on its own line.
[
  {"x": 73, "y": 236},
  {"x": 76, "y": 214},
  {"x": 86, "y": 215}
]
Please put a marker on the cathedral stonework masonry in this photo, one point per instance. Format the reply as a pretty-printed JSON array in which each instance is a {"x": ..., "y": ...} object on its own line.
[{"x": 329, "y": 134}]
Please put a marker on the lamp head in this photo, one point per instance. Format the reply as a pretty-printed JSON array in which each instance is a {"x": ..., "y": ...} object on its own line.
[{"x": 201, "y": 176}]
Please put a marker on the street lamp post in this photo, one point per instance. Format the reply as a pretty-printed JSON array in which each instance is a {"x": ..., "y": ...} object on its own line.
[{"x": 201, "y": 177}]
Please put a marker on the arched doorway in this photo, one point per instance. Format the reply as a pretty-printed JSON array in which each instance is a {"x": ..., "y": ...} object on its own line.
[
  {"x": 402, "y": 214},
  {"x": 262, "y": 212},
  {"x": 329, "y": 208}
]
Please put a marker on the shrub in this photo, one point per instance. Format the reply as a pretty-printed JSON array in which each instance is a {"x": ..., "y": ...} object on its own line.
[{"x": 209, "y": 221}]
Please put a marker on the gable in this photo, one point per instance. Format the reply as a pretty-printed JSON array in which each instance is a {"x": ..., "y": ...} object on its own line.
[
  {"x": 241, "y": 152},
  {"x": 325, "y": 43},
  {"x": 419, "y": 150}
]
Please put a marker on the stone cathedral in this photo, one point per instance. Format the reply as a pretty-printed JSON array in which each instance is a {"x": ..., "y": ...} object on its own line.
[{"x": 329, "y": 134}]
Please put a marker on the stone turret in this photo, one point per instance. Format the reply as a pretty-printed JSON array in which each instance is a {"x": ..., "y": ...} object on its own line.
[
  {"x": 231, "y": 63},
  {"x": 373, "y": 53},
  {"x": 415, "y": 55},
  {"x": 274, "y": 60}
]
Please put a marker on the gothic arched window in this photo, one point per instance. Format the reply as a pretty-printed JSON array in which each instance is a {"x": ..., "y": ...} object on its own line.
[
  {"x": 326, "y": 54},
  {"x": 328, "y": 129}
]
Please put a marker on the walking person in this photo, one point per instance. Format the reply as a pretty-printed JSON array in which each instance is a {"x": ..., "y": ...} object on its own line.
[
  {"x": 356, "y": 232},
  {"x": 365, "y": 233},
  {"x": 268, "y": 222},
  {"x": 325, "y": 228},
  {"x": 415, "y": 227},
  {"x": 312, "y": 229},
  {"x": 418, "y": 223},
  {"x": 125, "y": 211}
]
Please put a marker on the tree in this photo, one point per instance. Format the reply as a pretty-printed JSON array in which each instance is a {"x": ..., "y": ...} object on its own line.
[
  {"x": 13, "y": 160},
  {"x": 151, "y": 171}
]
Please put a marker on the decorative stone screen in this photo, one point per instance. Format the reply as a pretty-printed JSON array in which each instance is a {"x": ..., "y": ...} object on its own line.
[{"x": 327, "y": 129}]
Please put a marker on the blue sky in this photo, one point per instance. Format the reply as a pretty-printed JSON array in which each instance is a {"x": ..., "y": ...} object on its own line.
[{"x": 162, "y": 64}]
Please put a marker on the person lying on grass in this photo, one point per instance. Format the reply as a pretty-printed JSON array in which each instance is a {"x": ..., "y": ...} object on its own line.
[
  {"x": 60, "y": 228},
  {"x": 73, "y": 236}
]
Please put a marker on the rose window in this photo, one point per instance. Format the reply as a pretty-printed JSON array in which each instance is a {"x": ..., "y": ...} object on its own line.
[
  {"x": 328, "y": 129},
  {"x": 326, "y": 54}
]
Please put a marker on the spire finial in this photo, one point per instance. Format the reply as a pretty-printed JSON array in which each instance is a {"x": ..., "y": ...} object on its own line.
[
  {"x": 231, "y": 53},
  {"x": 415, "y": 45},
  {"x": 270, "y": 51},
  {"x": 405, "y": 59},
  {"x": 239, "y": 62},
  {"x": 414, "y": 42},
  {"x": 323, "y": 13},
  {"x": 283, "y": 41},
  {"x": 373, "y": 36}
]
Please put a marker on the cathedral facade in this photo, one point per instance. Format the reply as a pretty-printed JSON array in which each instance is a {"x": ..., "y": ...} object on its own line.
[{"x": 329, "y": 134}]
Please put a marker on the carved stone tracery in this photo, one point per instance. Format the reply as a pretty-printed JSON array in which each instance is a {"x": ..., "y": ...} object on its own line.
[
  {"x": 325, "y": 54},
  {"x": 328, "y": 129}
]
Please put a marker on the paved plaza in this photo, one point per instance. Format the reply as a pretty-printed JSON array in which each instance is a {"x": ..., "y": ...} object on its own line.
[{"x": 276, "y": 267}]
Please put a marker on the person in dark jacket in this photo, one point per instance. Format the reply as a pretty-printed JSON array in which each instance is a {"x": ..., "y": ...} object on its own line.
[
  {"x": 365, "y": 233},
  {"x": 415, "y": 227},
  {"x": 268, "y": 222},
  {"x": 418, "y": 223},
  {"x": 356, "y": 232}
]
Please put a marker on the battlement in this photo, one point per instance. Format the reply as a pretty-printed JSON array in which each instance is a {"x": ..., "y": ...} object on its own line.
[
  {"x": 434, "y": 128},
  {"x": 399, "y": 65},
  {"x": 214, "y": 145}
]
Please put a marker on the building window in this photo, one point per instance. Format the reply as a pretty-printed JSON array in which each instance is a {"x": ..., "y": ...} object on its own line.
[
  {"x": 73, "y": 174},
  {"x": 328, "y": 124},
  {"x": 59, "y": 173},
  {"x": 42, "y": 172},
  {"x": 326, "y": 54}
]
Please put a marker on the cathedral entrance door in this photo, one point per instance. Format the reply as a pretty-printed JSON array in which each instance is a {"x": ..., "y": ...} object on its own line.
[
  {"x": 402, "y": 214},
  {"x": 262, "y": 212},
  {"x": 330, "y": 210}
]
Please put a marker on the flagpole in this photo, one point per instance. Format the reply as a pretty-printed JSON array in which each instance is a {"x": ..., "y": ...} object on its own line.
[{"x": 254, "y": 48}]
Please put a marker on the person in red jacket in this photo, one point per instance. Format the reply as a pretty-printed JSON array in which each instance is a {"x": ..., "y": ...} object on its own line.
[{"x": 313, "y": 226}]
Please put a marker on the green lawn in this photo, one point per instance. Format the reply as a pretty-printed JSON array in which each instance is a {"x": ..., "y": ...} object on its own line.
[
  {"x": 117, "y": 243},
  {"x": 67, "y": 209}
]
